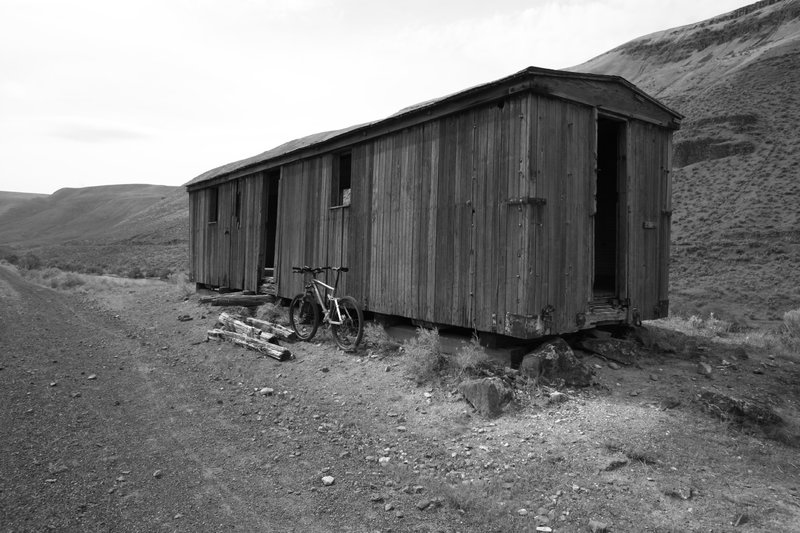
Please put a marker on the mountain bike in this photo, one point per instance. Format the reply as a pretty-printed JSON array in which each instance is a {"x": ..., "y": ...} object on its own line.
[{"x": 342, "y": 313}]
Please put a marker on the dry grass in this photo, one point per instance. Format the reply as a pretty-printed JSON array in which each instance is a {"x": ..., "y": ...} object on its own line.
[
  {"x": 272, "y": 312},
  {"x": 378, "y": 341},
  {"x": 427, "y": 362}
]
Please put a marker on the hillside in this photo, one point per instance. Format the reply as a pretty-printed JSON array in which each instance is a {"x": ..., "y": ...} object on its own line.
[
  {"x": 736, "y": 220},
  {"x": 110, "y": 228},
  {"x": 9, "y": 200}
]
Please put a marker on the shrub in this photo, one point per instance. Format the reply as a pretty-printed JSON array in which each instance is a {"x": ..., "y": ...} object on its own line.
[
  {"x": 134, "y": 272},
  {"x": 470, "y": 359},
  {"x": 272, "y": 313},
  {"x": 30, "y": 261},
  {"x": 426, "y": 361},
  {"x": 376, "y": 338},
  {"x": 791, "y": 321},
  {"x": 70, "y": 280}
]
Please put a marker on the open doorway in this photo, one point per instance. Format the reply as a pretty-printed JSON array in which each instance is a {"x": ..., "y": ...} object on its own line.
[
  {"x": 610, "y": 138},
  {"x": 271, "y": 185}
]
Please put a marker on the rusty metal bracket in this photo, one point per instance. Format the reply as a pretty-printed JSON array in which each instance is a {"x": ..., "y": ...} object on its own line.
[{"x": 526, "y": 200}]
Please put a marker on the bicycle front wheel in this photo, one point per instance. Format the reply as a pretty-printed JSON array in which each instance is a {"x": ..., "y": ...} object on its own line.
[
  {"x": 304, "y": 317},
  {"x": 350, "y": 332}
]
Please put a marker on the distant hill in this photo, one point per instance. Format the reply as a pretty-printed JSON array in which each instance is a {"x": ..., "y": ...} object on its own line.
[
  {"x": 108, "y": 228},
  {"x": 736, "y": 219},
  {"x": 9, "y": 200}
]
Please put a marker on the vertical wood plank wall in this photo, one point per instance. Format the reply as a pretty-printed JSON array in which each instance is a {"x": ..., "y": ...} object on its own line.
[
  {"x": 225, "y": 253},
  {"x": 648, "y": 254},
  {"x": 430, "y": 233}
]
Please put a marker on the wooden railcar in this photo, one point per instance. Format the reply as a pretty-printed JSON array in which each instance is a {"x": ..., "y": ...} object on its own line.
[{"x": 532, "y": 205}]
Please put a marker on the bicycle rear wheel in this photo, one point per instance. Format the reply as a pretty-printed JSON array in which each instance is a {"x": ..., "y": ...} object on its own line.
[
  {"x": 304, "y": 317},
  {"x": 350, "y": 332}
]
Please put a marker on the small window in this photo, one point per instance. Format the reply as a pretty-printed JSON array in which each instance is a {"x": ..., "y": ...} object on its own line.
[
  {"x": 342, "y": 168},
  {"x": 213, "y": 204}
]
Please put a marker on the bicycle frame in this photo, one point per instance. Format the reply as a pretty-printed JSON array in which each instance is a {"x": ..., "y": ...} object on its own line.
[{"x": 313, "y": 287}]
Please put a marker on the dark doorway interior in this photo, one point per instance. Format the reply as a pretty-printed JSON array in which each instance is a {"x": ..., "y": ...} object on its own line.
[
  {"x": 271, "y": 185},
  {"x": 606, "y": 222}
]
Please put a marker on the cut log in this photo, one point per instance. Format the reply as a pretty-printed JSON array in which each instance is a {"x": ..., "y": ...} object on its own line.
[
  {"x": 269, "y": 327},
  {"x": 272, "y": 350},
  {"x": 234, "y": 323},
  {"x": 244, "y": 300}
]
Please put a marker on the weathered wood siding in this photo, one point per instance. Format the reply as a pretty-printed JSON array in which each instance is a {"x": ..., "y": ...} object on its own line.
[
  {"x": 305, "y": 216},
  {"x": 563, "y": 173},
  {"x": 225, "y": 253},
  {"x": 475, "y": 219},
  {"x": 433, "y": 232},
  {"x": 649, "y": 186}
]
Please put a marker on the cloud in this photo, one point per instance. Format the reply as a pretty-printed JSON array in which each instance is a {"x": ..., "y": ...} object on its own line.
[{"x": 94, "y": 132}]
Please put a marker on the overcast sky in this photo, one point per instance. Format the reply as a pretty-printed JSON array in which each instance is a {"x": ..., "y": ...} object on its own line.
[{"x": 100, "y": 92}]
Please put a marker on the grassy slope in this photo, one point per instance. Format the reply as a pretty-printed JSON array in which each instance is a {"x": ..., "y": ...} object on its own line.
[
  {"x": 111, "y": 228},
  {"x": 736, "y": 222},
  {"x": 9, "y": 200}
]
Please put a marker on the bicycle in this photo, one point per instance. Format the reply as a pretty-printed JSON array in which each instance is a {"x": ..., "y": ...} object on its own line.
[{"x": 342, "y": 314}]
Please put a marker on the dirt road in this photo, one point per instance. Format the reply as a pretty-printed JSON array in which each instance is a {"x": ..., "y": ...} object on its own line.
[
  {"x": 109, "y": 425},
  {"x": 117, "y": 416}
]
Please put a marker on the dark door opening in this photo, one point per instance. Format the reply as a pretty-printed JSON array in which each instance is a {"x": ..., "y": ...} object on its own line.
[
  {"x": 271, "y": 184},
  {"x": 607, "y": 216}
]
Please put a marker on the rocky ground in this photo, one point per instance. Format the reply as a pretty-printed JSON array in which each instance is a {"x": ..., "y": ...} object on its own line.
[{"x": 119, "y": 416}]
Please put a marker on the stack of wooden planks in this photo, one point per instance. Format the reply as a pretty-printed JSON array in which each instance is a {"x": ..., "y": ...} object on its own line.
[{"x": 254, "y": 334}]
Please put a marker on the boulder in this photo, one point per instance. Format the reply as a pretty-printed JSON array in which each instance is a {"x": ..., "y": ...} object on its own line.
[
  {"x": 487, "y": 395},
  {"x": 619, "y": 350},
  {"x": 555, "y": 362}
]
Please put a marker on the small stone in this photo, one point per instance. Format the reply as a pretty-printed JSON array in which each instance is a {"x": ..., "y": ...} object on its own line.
[
  {"x": 704, "y": 369},
  {"x": 634, "y": 393},
  {"x": 427, "y": 394},
  {"x": 653, "y": 377},
  {"x": 401, "y": 428},
  {"x": 377, "y": 498},
  {"x": 613, "y": 366},
  {"x": 178, "y": 516},
  {"x": 557, "y": 397},
  {"x": 522, "y": 512},
  {"x": 383, "y": 461},
  {"x": 266, "y": 391},
  {"x": 758, "y": 370},
  {"x": 53, "y": 383},
  {"x": 324, "y": 369},
  {"x": 388, "y": 507},
  {"x": 423, "y": 504},
  {"x": 157, "y": 474},
  {"x": 388, "y": 368},
  {"x": 92, "y": 377},
  {"x": 596, "y": 526},
  {"x": 328, "y": 481}
]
